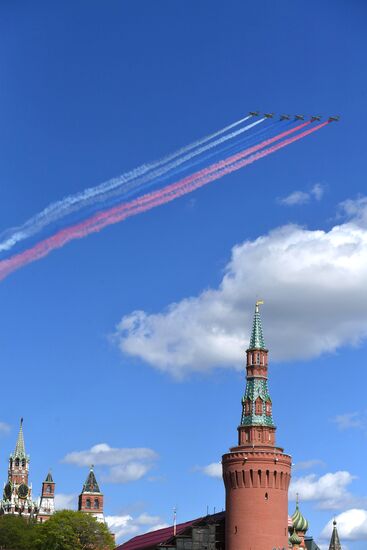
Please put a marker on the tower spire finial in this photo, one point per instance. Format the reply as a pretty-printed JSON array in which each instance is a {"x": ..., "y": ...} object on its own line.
[
  {"x": 257, "y": 338},
  {"x": 335, "y": 541},
  {"x": 20, "y": 447}
]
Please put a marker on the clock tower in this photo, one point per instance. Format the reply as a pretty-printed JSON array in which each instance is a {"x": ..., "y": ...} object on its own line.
[{"x": 17, "y": 496}]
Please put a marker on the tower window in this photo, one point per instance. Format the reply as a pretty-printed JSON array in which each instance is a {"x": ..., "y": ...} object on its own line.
[
  {"x": 48, "y": 489},
  {"x": 268, "y": 408},
  {"x": 247, "y": 407},
  {"x": 96, "y": 503},
  {"x": 258, "y": 358},
  {"x": 259, "y": 406},
  {"x": 88, "y": 503},
  {"x": 17, "y": 462},
  {"x": 23, "y": 463}
]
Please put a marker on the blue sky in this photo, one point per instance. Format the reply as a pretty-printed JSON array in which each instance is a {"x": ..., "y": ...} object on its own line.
[{"x": 92, "y": 89}]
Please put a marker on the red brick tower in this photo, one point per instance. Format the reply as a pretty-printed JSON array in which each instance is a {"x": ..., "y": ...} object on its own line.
[
  {"x": 256, "y": 473},
  {"x": 91, "y": 498}
]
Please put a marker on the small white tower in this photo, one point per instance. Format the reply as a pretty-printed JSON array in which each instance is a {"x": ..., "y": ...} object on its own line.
[{"x": 47, "y": 502}]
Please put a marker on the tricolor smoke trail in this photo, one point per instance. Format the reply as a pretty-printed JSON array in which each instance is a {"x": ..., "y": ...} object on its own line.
[
  {"x": 133, "y": 180},
  {"x": 156, "y": 198}
]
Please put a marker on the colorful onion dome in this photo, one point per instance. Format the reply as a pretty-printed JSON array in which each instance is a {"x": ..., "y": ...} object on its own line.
[
  {"x": 299, "y": 522},
  {"x": 294, "y": 538}
]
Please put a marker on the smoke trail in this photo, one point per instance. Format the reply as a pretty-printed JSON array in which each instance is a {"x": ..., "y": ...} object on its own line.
[
  {"x": 115, "y": 186},
  {"x": 137, "y": 206}
]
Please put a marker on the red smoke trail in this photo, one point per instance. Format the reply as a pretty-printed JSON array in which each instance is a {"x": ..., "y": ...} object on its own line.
[{"x": 141, "y": 204}]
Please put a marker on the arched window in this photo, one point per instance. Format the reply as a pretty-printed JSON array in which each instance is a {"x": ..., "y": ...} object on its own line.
[
  {"x": 247, "y": 407},
  {"x": 258, "y": 358},
  {"x": 48, "y": 489},
  {"x": 88, "y": 503},
  {"x": 23, "y": 463},
  {"x": 259, "y": 406},
  {"x": 96, "y": 503},
  {"x": 268, "y": 408},
  {"x": 17, "y": 462}
]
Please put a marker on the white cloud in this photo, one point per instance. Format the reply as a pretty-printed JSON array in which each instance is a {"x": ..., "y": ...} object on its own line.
[
  {"x": 318, "y": 191},
  {"x": 350, "y": 420},
  {"x": 329, "y": 490},
  {"x": 65, "y": 501},
  {"x": 212, "y": 470},
  {"x": 124, "y": 464},
  {"x": 4, "y": 428},
  {"x": 295, "y": 198},
  {"x": 308, "y": 464},
  {"x": 125, "y": 526},
  {"x": 351, "y": 525},
  {"x": 303, "y": 197},
  {"x": 313, "y": 282}
]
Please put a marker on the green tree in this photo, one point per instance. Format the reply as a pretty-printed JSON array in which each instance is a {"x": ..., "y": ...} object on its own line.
[
  {"x": 69, "y": 530},
  {"x": 16, "y": 533}
]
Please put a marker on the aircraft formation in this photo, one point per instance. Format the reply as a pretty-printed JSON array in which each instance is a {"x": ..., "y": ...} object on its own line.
[{"x": 296, "y": 117}]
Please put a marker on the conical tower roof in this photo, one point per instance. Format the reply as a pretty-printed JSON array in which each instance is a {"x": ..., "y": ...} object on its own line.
[
  {"x": 49, "y": 478},
  {"x": 20, "y": 447},
  {"x": 91, "y": 485},
  {"x": 335, "y": 542},
  {"x": 257, "y": 338}
]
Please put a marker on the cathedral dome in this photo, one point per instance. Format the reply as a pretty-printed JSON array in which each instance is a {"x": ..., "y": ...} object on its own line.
[
  {"x": 299, "y": 522},
  {"x": 294, "y": 538}
]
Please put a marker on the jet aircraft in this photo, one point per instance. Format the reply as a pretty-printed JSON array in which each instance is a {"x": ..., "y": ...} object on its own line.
[
  {"x": 285, "y": 117},
  {"x": 254, "y": 113},
  {"x": 299, "y": 117},
  {"x": 268, "y": 115},
  {"x": 334, "y": 118},
  {"x": 313, "y": 118}
]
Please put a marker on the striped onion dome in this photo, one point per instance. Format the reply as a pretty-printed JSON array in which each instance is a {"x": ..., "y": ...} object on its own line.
[
  {"x": 294, "y": 538},
  {"x": 299, "y": 522}
]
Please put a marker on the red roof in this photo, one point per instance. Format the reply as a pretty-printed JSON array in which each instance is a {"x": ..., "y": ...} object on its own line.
[{"x": 160, "y": 536}]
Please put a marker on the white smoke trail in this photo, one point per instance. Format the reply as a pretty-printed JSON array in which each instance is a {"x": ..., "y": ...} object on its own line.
[{"x": 113, "y": 187}]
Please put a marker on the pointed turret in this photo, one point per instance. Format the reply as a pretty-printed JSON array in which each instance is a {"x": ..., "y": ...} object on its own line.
[
  {"x": 91, "y": 498},
  {"x": 257, "y": 338},
  {"x": 17, "y": 496},
  {"x": 256, "y": 473},
  {"x": 91, "y": 485},
  {"x": 49, "y": 478},
  {"x": 20, "y": 447},
  {"x": 47, "y": 502},
  {"x": 256, "y": 402},
  {"x": 335, "y": 542}
]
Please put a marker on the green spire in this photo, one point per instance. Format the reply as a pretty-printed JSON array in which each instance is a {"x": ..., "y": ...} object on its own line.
[
  {"x": 49, "y": 478},
  {"x": 20, "y": 447},
  {"x": 91, "y": 485},
  {"x": 257, "y": 338},
  {"x": 335, "y": 542}
]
